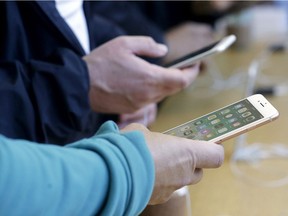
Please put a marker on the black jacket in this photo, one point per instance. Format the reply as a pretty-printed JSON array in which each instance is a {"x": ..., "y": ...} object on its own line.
[{"x": 43, "y": 80}]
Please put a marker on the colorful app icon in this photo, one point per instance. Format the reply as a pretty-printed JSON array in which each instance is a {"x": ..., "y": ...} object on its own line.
[
  {"x": 237, "y": 106},
  {"x": 244, "y": 109},
  {"x": 209, "y": 136},
  {"x": 211, "y": 117},
  {"x": 232, "y": 120},
  {"x": 244, "y": 115},
  {"x": 236, "y": 124},
  {"x": 201, "y": 127},
  {"x": 205, "y": 131},
  {"x": 229, "y": 115},
  {"x": 198, "y": 122},
  {"x": 188, "y": 132},
  {"x": 222, "y": 130},
  {"x": 215, "y": 121},
  {"x": 225, "y": 111},
  {"x": 250, "y": 118},
  {"x": 219, "y": 126},
  {"x": 187, "y": 127}
]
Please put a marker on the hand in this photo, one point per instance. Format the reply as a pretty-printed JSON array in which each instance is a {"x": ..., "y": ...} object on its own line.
[
  {"x": 145, "y": 116},
  {"x": 122, "y": 82},
  {"x": 221, "y": 6},
  {"x": 178, "y": 161},
  {"x": 187, "y": 37}
]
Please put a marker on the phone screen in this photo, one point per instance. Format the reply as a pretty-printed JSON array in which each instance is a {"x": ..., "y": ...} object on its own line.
[
  {"x": 219, "y": 122},
  {"x": 191, "y": 54}
]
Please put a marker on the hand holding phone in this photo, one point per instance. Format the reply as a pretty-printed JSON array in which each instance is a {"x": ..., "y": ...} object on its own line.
[
  {"x": 198, "y": 55},
  {"x": 229, "y": 121}
]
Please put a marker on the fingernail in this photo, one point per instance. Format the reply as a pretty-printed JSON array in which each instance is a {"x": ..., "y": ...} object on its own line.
[{"x": 163, "y": 48}]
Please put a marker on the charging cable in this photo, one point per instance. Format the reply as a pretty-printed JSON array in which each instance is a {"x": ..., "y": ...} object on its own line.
[
  {"x": 252, "y": 156},
  {"x": 278, "y": 90}
]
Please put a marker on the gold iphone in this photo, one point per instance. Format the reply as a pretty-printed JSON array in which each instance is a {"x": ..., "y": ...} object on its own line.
[{"x": 229, "y": 121}]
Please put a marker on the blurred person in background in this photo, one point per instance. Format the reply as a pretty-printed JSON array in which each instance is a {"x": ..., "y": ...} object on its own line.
[
  {"x": 63, "y": 86},
  {"x": 189, "y": 25}
]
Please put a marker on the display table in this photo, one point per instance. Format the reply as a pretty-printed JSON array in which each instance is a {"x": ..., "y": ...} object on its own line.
[{"x": 238, "y": 188}]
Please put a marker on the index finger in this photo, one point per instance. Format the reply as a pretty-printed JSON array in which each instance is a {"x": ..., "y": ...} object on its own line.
[{"x": 173, "y": 78}]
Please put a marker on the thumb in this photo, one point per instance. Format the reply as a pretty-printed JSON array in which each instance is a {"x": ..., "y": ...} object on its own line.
[
  {"x": 146, "y": 46},
  {"x": 206, "y": 154}
]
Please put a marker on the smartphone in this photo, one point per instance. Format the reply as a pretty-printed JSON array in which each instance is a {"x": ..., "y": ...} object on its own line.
[
  {"x": 229, "y": 121},
  {"x": 195, "y": 56}
]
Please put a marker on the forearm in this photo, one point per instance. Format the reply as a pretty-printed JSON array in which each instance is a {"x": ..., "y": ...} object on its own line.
[{"x": 107, "y": 174}]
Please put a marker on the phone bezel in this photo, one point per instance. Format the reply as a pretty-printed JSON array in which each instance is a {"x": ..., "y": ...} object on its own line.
[
  {"x": 206, "y": 51},
  {"x": 268, "y": 112}
]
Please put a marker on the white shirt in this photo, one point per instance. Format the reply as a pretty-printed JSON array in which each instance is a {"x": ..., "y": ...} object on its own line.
[{"x": 72, "y": 12}]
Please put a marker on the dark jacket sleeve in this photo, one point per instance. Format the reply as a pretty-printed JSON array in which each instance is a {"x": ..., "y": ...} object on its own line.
[
  {"x": 128, "y": 17},
  {"x": 44, "y": 101},
  {"x": 43, "y": 80}
]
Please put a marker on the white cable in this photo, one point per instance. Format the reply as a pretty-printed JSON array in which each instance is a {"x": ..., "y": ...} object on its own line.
[
  {"x": 252, "y": 156},
  {"x": 184, "y": 192},
  {"x": 188, "y": 203}
]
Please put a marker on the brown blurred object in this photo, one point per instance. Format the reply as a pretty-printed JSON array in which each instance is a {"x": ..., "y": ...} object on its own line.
[
  {"x": 186, "y": 38},
  {"x": 243, "y": 33},
  {"x": 239, "y": 24},
  {"x": 203, "y": 8}
]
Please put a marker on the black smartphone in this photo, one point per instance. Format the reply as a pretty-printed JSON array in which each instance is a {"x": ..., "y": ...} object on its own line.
[{"x": 197, "y": 55}]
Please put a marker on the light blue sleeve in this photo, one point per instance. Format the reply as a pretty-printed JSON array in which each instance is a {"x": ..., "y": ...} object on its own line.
[{"x": 108, "y": 174}]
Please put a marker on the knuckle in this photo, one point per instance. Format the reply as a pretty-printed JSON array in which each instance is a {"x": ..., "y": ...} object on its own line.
[
  {"x": 122, "y": 40},
  {"x": 146, "y": 97},
  {"x": 220, "y": 159},
  {"x": 198, "y": 176},
  {"x": 135, "y": 103},
  {"x": 183, "y": 83},
  {"x": 150, "y": 41}
]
